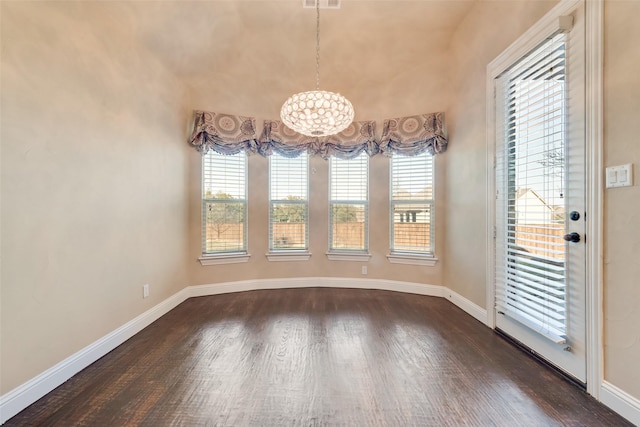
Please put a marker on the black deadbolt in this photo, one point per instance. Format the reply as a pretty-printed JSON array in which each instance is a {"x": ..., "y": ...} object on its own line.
[{"x": 574, "y": 215}]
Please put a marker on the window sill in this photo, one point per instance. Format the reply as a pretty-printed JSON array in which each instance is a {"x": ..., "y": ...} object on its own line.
[
  {"x": 413, "y": 259},
  {"x": 348, "y": 256},
  {"x": 224, "y": 259},
  {"x": 288, "y": 256}
]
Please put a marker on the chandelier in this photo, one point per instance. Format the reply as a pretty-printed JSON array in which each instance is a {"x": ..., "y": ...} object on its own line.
[{"x": 317, "y": 112}]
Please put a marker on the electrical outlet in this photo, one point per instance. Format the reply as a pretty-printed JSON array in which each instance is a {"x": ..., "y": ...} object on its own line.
[
  {"x": 364, "y": 269},
  {"x": 145, "y": 290}
]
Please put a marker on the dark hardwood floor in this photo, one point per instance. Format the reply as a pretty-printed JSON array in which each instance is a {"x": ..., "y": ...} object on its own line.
[{"x": 317, "y": 357}]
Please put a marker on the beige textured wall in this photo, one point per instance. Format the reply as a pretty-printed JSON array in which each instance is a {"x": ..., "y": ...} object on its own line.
[
  {"x": 488, "y": 29},
  {"x": 398, "y": 71},
  {"x": 622, "y": 205},
  {"x": 94, "y": 175}
]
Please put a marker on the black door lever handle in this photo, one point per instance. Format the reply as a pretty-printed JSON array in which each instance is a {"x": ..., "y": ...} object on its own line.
[{"x": 572, "y": 237}]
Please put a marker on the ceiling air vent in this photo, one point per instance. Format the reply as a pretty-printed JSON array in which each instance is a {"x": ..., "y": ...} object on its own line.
[{"x": 324, "y": 4}]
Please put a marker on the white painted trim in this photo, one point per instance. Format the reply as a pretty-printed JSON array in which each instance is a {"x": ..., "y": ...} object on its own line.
[
  {"x": 320, "y": 282},
  {"x": 411, "y": 259},
  {"x": 531, "y": 38},
  {"x": 224, "y": 259},
  {"x": 347, "y": 256},
  {"x": 490, "y": 183},
  {"x": 288, "y": 256},
  {"x": 24, "y": 395},
  {"x": 467, "y": 306},
  {"x": 621, "y": 402},
  {"x": 594, "y": 194}
]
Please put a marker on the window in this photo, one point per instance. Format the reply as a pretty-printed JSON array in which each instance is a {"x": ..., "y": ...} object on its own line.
[
  {"x": 412, "y": 205},
  {"x": 289, "y": 203},
  {"x": 534, "y": 105},
  {"x": 224, "y": 204},
  {"x": 349, "y": 204}
]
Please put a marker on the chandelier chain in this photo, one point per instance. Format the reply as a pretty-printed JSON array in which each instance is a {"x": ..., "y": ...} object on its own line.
[{"x": 317, "y": 44}]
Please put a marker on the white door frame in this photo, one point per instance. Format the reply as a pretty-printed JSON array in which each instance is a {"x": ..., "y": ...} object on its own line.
[{"x": 594, "y": 188}]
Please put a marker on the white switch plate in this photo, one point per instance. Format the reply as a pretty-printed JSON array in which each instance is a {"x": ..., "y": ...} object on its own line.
[
  {"x": 145, "y": 291},
  {"x": 619, "y": 176}
]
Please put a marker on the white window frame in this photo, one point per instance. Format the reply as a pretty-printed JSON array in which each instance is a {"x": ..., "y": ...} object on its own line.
[
  {"x": 337, "y": 173},
  {"x": 288, "y": 254},
  {"x": 231, "y": 256},
  {"x": 413, "y": 257}
]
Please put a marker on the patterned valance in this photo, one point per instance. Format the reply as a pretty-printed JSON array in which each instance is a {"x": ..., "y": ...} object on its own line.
[
  {"x": 277, "y": 137},
  {"x": 223, "y": 133},
  {"x": 413, "y": 135},
  {"x": 229, "y": 134},
  {"x": 348, "y": 144}
]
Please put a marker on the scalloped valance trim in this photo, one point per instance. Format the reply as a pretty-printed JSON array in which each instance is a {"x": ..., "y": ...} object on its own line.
[
  {"x": 223, "y": 133},
  {"x": 348, "y": 144},
  {"x": 229, "y": 134},
  {"x": 413, "y": 135}
]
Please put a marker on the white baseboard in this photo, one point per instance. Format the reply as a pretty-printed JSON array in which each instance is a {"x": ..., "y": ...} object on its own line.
[
  {"x": 24, "y": 395},
  {"x": 621, "y": 402},
  {"x": 467, "y": 306},
  {"x": 320, "y": 282}
]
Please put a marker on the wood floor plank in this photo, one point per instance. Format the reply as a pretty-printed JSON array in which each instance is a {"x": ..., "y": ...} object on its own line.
[{"x": 317, "y": 357}]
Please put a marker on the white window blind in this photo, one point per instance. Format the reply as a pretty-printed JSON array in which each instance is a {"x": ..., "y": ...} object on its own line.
[
  {"x": 412, "y": 204},
  {"x": 289, "y": 203},
  {"x": 530, "y": 177},
  {"x": 349, "y": 204},
  {"x": 224, "y": 203}
]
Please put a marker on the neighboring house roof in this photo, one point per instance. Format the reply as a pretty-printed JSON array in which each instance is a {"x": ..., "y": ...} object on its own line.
[{"x": 521, "y": 192}]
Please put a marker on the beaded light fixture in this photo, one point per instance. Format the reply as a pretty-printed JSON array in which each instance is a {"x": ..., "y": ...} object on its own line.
[{"x": 317, "y": 112}]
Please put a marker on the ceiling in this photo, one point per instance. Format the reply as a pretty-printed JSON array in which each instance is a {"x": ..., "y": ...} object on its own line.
[{"x": 195, "y": 39}]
